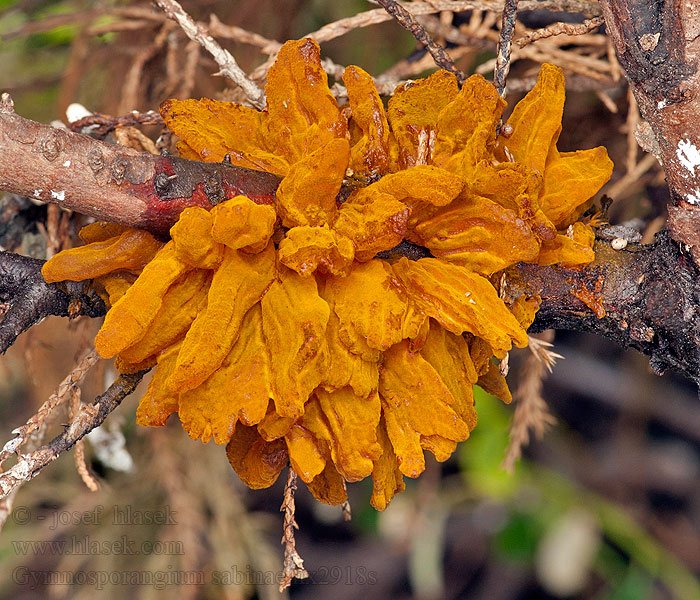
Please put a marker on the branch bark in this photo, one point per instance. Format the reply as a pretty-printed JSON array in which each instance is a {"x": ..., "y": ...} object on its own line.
[
  {"x": 29, "y": 299},
  {"x": 658, "y": 46},
  {"x": 111, "y": 182},
  {"x": 649, "y": 297}
]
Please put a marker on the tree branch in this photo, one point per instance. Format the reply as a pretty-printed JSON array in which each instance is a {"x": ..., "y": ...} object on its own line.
[
  {"x": 90, "y": 417},
  {"x": 111, "y": 182},
  {"x": 658, "y": 46},
  {"x": 649, "y": 297},
  {"x": 30, "y": 299}
]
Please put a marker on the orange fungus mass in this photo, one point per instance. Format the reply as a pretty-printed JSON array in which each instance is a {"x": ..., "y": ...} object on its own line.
[{"x": 282, "y": 331}]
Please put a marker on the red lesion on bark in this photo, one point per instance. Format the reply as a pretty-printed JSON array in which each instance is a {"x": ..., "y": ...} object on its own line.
[{"x": 590, "y": 292}]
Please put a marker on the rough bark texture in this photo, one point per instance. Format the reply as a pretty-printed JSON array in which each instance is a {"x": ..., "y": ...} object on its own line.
[
  {"x": 27, "y": 298},
  {"x": 649, "y": 297},
  {"x": 658, "y": 46},
  {"x": 112, "y": 182}
]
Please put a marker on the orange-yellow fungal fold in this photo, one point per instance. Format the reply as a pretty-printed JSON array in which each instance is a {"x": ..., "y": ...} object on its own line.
[
  {"x": 371, "y": 154},
  {"x": 294, "y": 323},
  {"x": 131, "y": 250},
  {"x": 308, "y": 332},
  {"x": 237, "y": 285},
  {"x": 128, "y": 320},
  {"x": 257, "y": 462},
  {"x": 308, "y": 249},
  {"x": 241, "y": 224}
]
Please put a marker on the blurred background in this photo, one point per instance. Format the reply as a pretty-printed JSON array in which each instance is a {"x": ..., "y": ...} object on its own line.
[{"x": 605, "y": 506}]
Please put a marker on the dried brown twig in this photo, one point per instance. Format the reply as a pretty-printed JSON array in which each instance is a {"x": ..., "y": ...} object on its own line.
[
  {"x": 378, "y": 15},
  {"x": 36, "y": 421},
  {"x": 558, "y": 29},
  {"x": 408, "y": 21},
  {"x": 79, "y": 453},
  {"x": 227, "y": 64},
  {"x": 90, "y": 417},
  {"x": 293, "y": 563},
  {"x": 531, "y": 412},
  {"x": 100, "y": 125},
  {"x": 500, "y": 72}
]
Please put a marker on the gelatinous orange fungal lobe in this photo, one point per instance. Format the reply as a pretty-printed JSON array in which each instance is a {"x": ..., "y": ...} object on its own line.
[
  {"x": 308, "y": 249},
  {"x": 422, "y": 188},
  {"x": 371, "y": 154},
  {"x": 480, "y": 235},
  {"x": 157, "y": 403},
  {"x": 328, "y": 486},
  {"x": 294, "y": 323},
  {"x": 257, "y": 462},
  {"x": 536, "y": 121},
  {"x": 303, "y": 115},
  {"x": 461, "y": 301},
  {"x": 373, "y": 221},
  {"x": 241, "y": 224},
  {"x": 416, "y": 405},
  {"x": 449, "y": 355},
  {"x": 193, "y": 240},
  {"x": 239, "y": 390},
  {"x": 466, "y": 127},
  {"x": 571, "y": 180},
  {"x": 307, "y": 194},
  {"x": 183, "y": 300},
  {"x": 237, "y": 285},
  {"x": 494, "y": 383},
  {"x": 128, "y": 320},
  {"x": 386, "y": 477},
  {"x": 131, "y": 251},
  {"x": 573, "y": 248},
  {"x": 210, "y": 130},
  {"x": 369, "y": 305},
  {"x": 358, "y": 369},
  {"x": 352, "y": 424},
  {"x": 101, "y": 231},
  {"x": 413, "y": 113}
]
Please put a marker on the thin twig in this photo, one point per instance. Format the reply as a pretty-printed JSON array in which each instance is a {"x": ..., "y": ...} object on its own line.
[
  {"x": 372, "y": 17},
  {"x": 35, "y": 422},
  {"x": 293, "y": 563},
  {"x": 408, "y": 21},
  {"x": 347, "y": 510},
  {"x": 79, "y": 453},
  {"x": 90, "y": 417},
  {"x": 531, "y": 412},
  {"x": 227, "y": 64},
  {"x": 99, "y": 125},
  {"x": 500, "y": 73},
  {"x": 559, "y": 29},
  {"x": 243, "y": 36}
]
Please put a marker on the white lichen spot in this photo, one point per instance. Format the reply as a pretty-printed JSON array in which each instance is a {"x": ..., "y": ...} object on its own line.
[
  {"x": 661, "y": 104},
  {"x": 66, "y": 164},
  {"x": 688, "y": 155},
  {"x": 76, "y": 111},
  {"x": 12, "y": 445},
  {"x": 693, "y": 198},
  {"x": 60, "y": 196}
]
